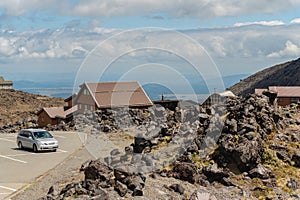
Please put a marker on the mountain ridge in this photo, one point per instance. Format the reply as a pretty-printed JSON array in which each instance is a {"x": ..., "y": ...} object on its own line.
[{"x": 285, "y": 74}]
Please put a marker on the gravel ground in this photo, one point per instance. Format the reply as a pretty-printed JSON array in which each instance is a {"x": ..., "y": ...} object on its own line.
[{"x": 155, "y": 188}]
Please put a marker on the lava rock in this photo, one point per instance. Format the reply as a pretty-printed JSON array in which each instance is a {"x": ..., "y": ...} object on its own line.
[
  {"x": 185, "y": 171},
  {"x": 177, "y": 188}
]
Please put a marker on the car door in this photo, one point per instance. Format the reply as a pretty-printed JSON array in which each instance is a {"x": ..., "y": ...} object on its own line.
[
  {"x": 22, "y": 137},
  {"x": 27, "y": 141}
]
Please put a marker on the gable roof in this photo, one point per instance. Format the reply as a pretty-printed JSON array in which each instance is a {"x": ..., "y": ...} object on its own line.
[
  {"x": 59, "y": 112},
  {"x": 259, "y": 91},
  {"x": 227, "y": 93},
  {"x": 286, "y": 91},
  {"x": 115, "y": 94},
  {"x": 282, "y": 91}
]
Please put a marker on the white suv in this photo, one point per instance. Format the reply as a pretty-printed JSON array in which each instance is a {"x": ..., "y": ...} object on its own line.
[{"x": 37, "y": 140}]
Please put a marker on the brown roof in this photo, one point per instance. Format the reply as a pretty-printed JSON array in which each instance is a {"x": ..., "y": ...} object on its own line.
[
  {"x": 55, "y": 112},
  {"x": 71, "y": 110},
  {"x": 114, "y": 94},
  {"x": 286, "y": 91},
  {"x": 259, "y": 91}
]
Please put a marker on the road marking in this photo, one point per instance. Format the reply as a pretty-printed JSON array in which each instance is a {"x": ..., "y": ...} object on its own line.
[
  {"x": 21, "y": 154},
  {"x": 7, "y": 140},
  {"x": 17, "y": 160},
  {"x": 7, "y": 188},
  {"x": 63, "y": 151},
  {"x": 41, "y": 153}
]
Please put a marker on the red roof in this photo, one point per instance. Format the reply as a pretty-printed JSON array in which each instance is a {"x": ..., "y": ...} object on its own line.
[
  {"x": 54, "y": 112},
  {"x": 282, "y": 91},
  {"x": 286, "y": 91},
  {"x": 260, "y": 91},
  {"x": 114, "y": 94}
]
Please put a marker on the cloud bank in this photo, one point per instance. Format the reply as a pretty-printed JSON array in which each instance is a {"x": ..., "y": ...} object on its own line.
[
  {"x": 176, "y": 8},
  {"x": 243, "y": 41}
]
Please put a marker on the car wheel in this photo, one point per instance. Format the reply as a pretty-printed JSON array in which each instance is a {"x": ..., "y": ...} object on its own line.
[
  {"x": 35, "y": 148},
  {"x": 20, "y": 145},
  {"x": 54, "y": 150}
]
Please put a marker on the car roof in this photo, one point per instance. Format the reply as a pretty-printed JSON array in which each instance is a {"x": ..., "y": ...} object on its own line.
[{"x": 33, "y": 130}]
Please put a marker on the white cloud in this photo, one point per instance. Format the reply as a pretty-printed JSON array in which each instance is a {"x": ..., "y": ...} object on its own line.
[
  {"x": 17, "y": 7},
  {"x": 291, "y": 49},
  {"x": 265, "y": 23},
  {"x": 6, "y": 47},
  {"x": 177, "y": 8},
  {"x": 200, "y": 8},
  {"x": 223, "y": 43},
  {"x": 295, "y": 21}
]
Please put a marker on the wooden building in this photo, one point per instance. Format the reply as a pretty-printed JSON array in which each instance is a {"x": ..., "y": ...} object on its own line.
[
  {"x": 218, "y": 98},
  {"x": 103, "y": 95},
  {"x": 285, "y": 94},
  {"x": 5, "y": 84},
  {"x": 55, "y": 115}
]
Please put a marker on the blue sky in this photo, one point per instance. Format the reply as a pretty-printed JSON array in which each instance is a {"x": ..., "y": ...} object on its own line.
[
  {"x": 41, "y": 38},
  {"x": 33, "y": 14}
]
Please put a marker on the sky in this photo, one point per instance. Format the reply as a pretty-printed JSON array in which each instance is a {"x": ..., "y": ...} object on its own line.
[{"x": 89, "y": 40}]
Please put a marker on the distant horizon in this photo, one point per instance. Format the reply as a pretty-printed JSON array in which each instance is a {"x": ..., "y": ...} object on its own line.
[{"x": 65, "y": 88}]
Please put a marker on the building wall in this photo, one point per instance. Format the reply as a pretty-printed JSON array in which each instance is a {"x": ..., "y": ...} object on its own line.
[
  {"x": 5, "y": 86},
  {"x": 70, "y": 103},
  {"x": 284, "y": 101},
  {"x": 44, "y": 119},
  {"x": 85, "y": 101}
]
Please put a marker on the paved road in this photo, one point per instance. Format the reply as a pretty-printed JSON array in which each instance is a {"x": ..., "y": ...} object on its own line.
[{"x": 19, "y": 167}]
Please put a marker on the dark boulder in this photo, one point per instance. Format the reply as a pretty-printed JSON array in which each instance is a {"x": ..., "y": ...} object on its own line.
[
  {"x": 261, "y": 172},
  {"x": 185, "y": 171},
  {"x": 98, "y": 170},
  {"x": 213, "y": 173},
  {"x": 121, "y": 188},
  {"x": 177, "y": 188}
]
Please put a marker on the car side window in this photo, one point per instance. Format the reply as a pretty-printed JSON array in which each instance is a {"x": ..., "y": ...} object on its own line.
[
  {"x": 26, "y": 134},
  {"x": 29, "y": 134},
  {"x": 23, "y": 134}
]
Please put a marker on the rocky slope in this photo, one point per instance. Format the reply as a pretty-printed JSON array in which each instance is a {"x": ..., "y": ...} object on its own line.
[
  {"x": 244, "y": 149},
  {"x": 285, "y": 74},
  {"x": 18, "y": 109}
]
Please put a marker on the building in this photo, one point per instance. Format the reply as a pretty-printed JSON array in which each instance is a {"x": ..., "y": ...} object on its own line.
[
  {"x": 55, "y": 115},
  {"x": 5, "y": 84},
  {"x": 285, "y": 94},
  {"x": 69, "y": 101},
  {"x": 103, "y": 95},
  {"x": 95, "y": 96},
  {"x": 218, "y": 98}
]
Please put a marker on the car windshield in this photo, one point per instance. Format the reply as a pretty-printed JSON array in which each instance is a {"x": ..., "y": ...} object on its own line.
[{"x": 42, "y": 134}]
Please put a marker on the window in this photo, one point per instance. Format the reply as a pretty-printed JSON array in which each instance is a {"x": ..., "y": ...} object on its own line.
[
  {"x": 86, "y": 92},
  {"x": 294, "y": 100},
  {"x": 279, "y": 99},
  {"x": 85, "y": 107},
  {"x": 43, "y": 119},
  {"x": 79, "y": 105}
]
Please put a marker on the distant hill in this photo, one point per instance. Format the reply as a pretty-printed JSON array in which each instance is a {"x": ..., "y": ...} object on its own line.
[
  {"x": 286, "y": 74},
  {"x": 19, "y": 106}
]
